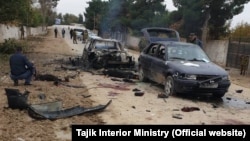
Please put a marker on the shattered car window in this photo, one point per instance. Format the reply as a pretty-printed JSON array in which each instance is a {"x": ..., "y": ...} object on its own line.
[{"x": 187, "y": 52}]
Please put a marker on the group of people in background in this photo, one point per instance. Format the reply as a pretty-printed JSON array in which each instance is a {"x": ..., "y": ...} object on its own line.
[
  {"x": 23, "y": 69},
  {"x": 56, "y": 32},
  {"x": 73, "y": 34}
]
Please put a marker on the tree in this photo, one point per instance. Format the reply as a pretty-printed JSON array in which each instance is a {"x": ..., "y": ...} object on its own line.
[
  {"x": 147, "y": 13},
  {"x": 46, "y": 7},
  {"x": 70, "y": 18},
  {"x": 241, "y": 32},
  {"x": 114, "y": 15},
  {"x": 15, "y": 11},
  {"x": 80, "y": 18},
  {"x": 208, "y": 16},
  {"x": 94, "y": 13}
]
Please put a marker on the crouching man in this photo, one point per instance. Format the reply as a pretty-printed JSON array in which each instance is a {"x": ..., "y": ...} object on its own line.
[{"x": 21, "y": 68}]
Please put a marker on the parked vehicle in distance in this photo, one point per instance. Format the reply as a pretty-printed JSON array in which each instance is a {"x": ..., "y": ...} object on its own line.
[
  {"x": 106, "y": 53},
  {"x": 153, "y": 34},
  {"x": 182, "y": 68},
  {"x": 79, "y": 35}
]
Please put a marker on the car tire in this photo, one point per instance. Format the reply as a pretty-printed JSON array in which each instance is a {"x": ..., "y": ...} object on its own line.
[
  {"x": 169, "y": 86},
  {"x": 219, "y": 95},
  {"x": 141, "y": 75}
]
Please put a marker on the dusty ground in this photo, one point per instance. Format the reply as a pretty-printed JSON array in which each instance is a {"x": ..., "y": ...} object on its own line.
[
  {"x": 126, "y": 108},
  {"x": 47, "y": 53}
]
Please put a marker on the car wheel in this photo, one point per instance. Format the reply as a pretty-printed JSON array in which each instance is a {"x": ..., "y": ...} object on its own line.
[
  {"x": 169, "y": 86},
  {"x": 142, "y": 77},
  {"x": 219, "y": 95}
]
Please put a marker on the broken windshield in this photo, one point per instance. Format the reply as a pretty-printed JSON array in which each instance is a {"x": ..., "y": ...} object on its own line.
[{"x": 187, "y": 52}]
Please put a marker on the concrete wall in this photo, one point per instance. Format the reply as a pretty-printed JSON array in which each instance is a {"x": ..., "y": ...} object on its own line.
[
  {"x": 8, "y": 31},
  {"x": 132, "y": 42},
  {"x": 216, "y": 49}
]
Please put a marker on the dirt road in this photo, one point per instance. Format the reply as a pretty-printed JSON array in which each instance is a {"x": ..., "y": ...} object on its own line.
[{"x": 126, "y": 108}]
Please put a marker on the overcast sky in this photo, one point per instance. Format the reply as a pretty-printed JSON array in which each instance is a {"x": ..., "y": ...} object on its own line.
[{"x": 77, "y": 7}]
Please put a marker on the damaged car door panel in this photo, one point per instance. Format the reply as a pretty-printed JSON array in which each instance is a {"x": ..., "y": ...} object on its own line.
[
  {"x": 182, "y": 68},
  {"x": 49, "y": 110}
]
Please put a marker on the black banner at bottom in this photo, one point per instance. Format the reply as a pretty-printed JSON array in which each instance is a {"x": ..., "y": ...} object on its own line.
[{"x": 160, "y": 132}]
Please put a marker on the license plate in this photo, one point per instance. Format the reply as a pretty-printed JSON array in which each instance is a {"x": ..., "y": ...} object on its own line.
[{"x": 207, "y": 85}]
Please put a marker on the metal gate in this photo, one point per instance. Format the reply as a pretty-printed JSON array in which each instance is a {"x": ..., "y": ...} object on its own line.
[{"x": 237, "y": 48}]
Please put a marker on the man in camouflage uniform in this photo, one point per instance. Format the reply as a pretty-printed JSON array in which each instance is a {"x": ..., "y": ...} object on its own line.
[
  {"x": 22, "y": 32},
  {"x": 85, "y": 36},
  {"x": 244, "y": 60}
]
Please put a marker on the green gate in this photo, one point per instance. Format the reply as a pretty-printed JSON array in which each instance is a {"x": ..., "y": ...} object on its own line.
[{"x": 237, "y": 47}]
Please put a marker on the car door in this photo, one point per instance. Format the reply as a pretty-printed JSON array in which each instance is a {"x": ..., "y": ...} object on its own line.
[
  {"x": 146, "y": 58},
  {"x": 158, "y": 65}
]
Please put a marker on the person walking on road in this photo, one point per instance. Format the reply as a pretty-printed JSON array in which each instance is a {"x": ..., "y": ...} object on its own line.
[
  {"x": 74, "y": 37},
  {"x": 85, "y": 36},
  {"x": 71, "y": 33},
  {"x": 56, "y": 31},
  {"x": 63, "y": 32}
]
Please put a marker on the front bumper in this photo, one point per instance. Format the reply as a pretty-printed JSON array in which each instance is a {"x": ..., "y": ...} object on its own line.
[{"x": 186, "y": 86}]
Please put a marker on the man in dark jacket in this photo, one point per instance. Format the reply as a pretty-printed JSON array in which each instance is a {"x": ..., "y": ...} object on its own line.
[
  {"x": 194, "y": 39},
  {"x": 21, "y": 68}
]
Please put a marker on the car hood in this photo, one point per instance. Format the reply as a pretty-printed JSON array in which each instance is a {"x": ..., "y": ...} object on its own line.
[{"x": 198, "y": 68}]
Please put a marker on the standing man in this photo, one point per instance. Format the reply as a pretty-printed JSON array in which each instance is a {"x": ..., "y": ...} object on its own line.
[
  {"x": 22, "y": 32},
  {"x": 194, "y": 39},
  {"x": 244, "y": 61},
  {"x": 85, "y": 36},
  {"x": 71, "y": 33},
  {"x": 74, "y": 37},
  {"x": 63, "y": 32},
  {"x": 55, "y": 30},
  {"x": 21, "y": 68}
]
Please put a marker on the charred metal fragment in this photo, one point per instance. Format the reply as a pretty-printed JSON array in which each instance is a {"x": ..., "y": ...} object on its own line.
[
  {"x": 74, "y": 61},
  {"x": 51, "y": 110},
  {"x": 190, "y": 109},
  {"x": 128, "y": 80},
  {"x": 17, "y": 100},
  {"x": 52, "y": 115},
  {"x": 120, "y": 74},
  {"x": 139, "y": 93},
  {"x": 47, "y": 77}
]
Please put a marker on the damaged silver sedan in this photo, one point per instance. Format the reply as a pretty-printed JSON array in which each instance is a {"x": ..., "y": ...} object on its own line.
[{"x": 106, "y": 53}]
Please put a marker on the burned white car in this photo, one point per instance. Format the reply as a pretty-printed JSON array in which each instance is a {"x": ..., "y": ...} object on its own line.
[
  {"x": 106, "y": 53},
  {"x": 182, "y": 68}
]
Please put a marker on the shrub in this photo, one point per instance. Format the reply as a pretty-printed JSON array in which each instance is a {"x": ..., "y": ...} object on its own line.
[{"x": 9, "y": 46}]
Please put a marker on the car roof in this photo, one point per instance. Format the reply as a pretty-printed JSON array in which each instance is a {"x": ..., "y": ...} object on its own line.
[{"x": 146, "y": 32}]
